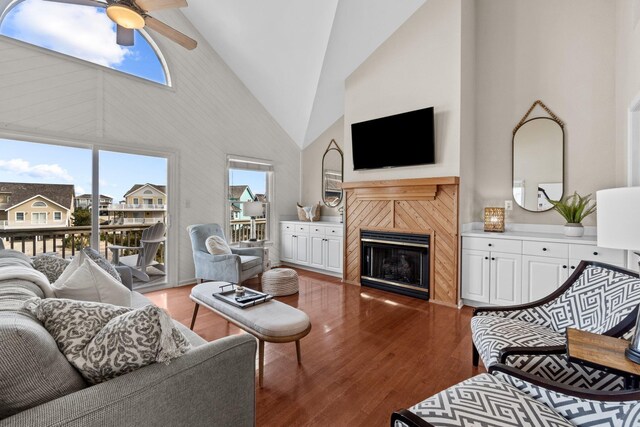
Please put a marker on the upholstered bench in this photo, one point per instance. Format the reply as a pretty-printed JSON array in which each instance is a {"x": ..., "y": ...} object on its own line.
[{"x": 271, "y": 321}]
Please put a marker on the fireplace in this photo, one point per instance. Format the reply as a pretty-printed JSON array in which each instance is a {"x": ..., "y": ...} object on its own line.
[{"x": 396, "y": 262}]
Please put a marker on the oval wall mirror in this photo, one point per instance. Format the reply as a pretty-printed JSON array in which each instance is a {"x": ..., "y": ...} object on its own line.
[
  {"x": 332, "y": 165},
  {"x": 538, "y": 163}
]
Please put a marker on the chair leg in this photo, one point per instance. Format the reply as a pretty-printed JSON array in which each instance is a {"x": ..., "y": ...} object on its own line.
[
  {"x": 195, "y": 314},
  {"x": 476, "y": 355}
]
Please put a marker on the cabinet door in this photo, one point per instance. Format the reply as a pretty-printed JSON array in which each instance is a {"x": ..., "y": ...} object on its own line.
[
  {"x": 301, "y": 252},
  {"x": 541, "y": 276},
  {"x": 506, "y": 279},
  {"x": 333, "y": 256},
  {"x": 475, "y": 275},
  {"x": 286, "y": 246},
  {"x": 317, "y": 256}
]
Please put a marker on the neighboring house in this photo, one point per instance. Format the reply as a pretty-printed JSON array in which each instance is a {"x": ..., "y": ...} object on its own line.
[
  {"x": 237, "y": 195},
  {"x": 84, "y": 202},
  {"x": 25, "y": 205},
  {"x": 142, "y": 204}
]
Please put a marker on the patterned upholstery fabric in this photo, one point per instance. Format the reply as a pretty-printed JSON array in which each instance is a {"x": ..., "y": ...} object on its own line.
[
  {"x": 596, "y": 302},
  {"x": 50, "y": 266},
  {"x": 102, "y": 263},
  {"x": 581, "y": 412},
  {"x": 486, "y": 401}
]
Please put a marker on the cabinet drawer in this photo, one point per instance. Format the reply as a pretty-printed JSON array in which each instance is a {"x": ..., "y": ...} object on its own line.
[
  {"x": 302, "y": 228},
  {"x": 595, "y": 253},
  {"x": 316, "y": 230},
  {"x": 333, "y": 231},
  {"x": 287, "y": 227},
  {"x": 547, "y": 249},
  {"x": 495, "y": 245}
]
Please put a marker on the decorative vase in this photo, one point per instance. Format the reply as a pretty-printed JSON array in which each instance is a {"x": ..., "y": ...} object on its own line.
[{"x": 572, "y": 229}]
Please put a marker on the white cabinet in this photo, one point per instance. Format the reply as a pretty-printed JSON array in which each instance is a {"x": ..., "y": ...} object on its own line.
[
  {"x": 315, "y": 245},
  {"x": 512, "y": 268}
]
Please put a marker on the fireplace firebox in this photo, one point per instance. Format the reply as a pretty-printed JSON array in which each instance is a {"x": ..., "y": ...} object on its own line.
[{"x": 395, "y": 262}]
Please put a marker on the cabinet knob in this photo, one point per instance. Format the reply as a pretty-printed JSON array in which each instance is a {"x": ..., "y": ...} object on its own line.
[
  {"x": 544, "y": 249},
  {"x": 486, "y": 257},
  {"x": 595, "y": 253},
  {"x": 564, "y": 266},
  {"x": 573, "y": 267},
  {"x": 490, "y": 244},
  {"x": 493, "y": 259}
]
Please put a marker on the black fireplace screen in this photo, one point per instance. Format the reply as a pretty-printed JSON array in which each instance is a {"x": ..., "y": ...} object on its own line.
[{"x": 395, "y": 262}]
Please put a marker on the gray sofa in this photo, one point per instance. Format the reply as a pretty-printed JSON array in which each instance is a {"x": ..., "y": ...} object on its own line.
[{"x": 213, "y": 384}]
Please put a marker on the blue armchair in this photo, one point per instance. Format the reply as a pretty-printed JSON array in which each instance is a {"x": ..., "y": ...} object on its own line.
[{"x": 242, "y": 264}]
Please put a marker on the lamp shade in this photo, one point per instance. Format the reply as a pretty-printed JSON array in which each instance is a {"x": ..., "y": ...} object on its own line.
[
  {"x": 253, "y": 209},
  {"x": 619, "y": 218}
]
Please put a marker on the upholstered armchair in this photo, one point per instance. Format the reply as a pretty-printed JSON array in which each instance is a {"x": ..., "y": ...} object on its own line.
[
  {"x": 510, "y": 397},
  {"x": 242, "y": 264},
  {"x": 597, "y": 298}
]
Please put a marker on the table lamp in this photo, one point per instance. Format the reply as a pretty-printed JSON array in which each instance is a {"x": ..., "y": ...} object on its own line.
[
  {"x": 253, "y": 210},
  {"x": 619, "y": 227}
]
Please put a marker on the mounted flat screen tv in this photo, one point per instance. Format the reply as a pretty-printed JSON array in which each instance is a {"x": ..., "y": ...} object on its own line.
[{"x": 406, "y": 139}]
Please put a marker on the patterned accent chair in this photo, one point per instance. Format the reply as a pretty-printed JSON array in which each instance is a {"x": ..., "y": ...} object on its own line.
[
  {"x": 598, "y": 298},
  {"x": 510, "y": 397}
]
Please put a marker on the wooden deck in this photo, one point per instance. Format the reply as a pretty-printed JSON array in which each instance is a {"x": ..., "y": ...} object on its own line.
[{"x": 369, "y": 353}]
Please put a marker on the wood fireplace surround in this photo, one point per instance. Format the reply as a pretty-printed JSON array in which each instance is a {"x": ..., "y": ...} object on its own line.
[{"x": 421, "y": 205}]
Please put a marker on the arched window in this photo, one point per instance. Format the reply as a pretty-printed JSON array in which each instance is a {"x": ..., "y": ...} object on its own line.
[
  {"x": 84, "y": 32},
  {"x": 39, "y": 205},
  {"x": 147, "y": 192}
]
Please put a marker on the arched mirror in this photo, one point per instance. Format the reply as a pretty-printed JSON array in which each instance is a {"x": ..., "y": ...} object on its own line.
[
  {"x": 332, "y": 165},
  {"x": 538, "y": 163}
]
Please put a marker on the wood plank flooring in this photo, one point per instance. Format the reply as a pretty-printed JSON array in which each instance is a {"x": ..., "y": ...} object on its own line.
[{"x": 369, "y": 353}]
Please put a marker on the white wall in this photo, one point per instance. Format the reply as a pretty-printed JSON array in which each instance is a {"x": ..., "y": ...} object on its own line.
[
  {"x": 562, "y": 52},
  {"x": 417, "y": 67},
  {"x": 312, "y": 167},
  {"x": 208, "y": 114}
]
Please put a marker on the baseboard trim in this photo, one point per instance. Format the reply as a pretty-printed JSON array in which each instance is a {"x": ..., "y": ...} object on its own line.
[{"x": 306, "y": 267}]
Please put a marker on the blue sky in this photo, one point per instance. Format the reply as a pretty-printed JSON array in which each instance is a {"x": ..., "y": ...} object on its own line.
[
  {"x": 256, "y": 180},
  {"x": 84, "y": 32},
  {"x": 54, "y": 164}
]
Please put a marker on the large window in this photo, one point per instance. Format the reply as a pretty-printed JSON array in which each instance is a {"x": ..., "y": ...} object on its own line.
[
  {"x": 248, "y": 181},
  {"x": 84, "y": 32}
]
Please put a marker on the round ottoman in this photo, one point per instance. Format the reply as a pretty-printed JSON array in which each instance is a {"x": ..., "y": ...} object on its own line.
[{"x": 280, "y": 281}]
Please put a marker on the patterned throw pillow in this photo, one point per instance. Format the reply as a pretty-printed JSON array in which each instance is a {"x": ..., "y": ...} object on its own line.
[
  {"x": 50, "y": 266},
  {"x": 216, "y": 245},
  {"x": 103, "y": 341},
  {"x": 102, "y": 262}
]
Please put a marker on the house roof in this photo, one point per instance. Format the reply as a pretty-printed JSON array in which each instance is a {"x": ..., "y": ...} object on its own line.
[
  {"x": 136, "y": 187},
  {"x": 88, "y": 196},
  {"x": 236, "y": 191},
  {"x": 261, "y": 198},
  {"x": 61, "y": 194}
]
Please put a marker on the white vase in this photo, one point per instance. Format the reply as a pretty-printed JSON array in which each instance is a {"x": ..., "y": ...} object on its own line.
[{"x": 572, "y": 229}]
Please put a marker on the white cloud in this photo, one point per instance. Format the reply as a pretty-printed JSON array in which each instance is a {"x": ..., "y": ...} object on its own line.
[
  {"x": 42, "y": 171},
  {"x": 81, "y": 31},
  {"x": 79, "y": 190}
]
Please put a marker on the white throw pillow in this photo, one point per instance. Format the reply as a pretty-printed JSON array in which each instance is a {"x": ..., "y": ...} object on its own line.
[
  {"x": 216, "y": 245},
  {"x": 70, "y": 269},
  {"x": 89, "y": 282}
]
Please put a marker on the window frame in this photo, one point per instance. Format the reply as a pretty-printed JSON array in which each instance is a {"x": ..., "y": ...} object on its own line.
[
  {"x": 39, "y": 204},
  {"x": 24, "y": 216},
  {"x": 38, "y": 215},
  {"x": 57, "y": 213}
]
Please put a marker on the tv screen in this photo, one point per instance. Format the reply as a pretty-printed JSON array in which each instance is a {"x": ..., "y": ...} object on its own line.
[{"x": 405, "y": 139}]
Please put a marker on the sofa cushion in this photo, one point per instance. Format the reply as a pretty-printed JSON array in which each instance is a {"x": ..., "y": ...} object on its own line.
[
  {"x": 102, "y": 263},
  {"x": 216, "y": 245},
  {"x": 32, "y": 369},
  {"x": 89, "y": 282},
  {"x": 248, "y": 262},
  {"x": 104, "y": 341},
  {"x": 11, "y": 253},
  {"x": 50, "y": 266}
]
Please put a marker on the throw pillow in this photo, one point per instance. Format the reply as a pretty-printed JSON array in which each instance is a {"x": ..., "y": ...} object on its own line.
[
  {"x": 103, "y": 263},
  {"x": 88, "y": 282},
  {"x": 70, "y": 269},
  {"x": 50, "y": 266},
  {"x": 103, "y": 341},
  {"x": 216, "y": 245}
]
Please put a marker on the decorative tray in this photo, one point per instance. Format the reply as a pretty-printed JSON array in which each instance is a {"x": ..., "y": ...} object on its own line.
[{"x": 248, "y": 298}]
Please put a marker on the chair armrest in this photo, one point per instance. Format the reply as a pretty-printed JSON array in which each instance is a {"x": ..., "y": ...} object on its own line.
[
  {"x": 125, "y": 275},
  {"x": 408, "y": 418},
  {"x": 213, "y": 384},
  {"x": 160, "y": 240},
  {"x": 121, "y": 248},
  {"x": 259, "y": 252},
  {"x": 530, "y": 351},
  {"x": 581, "y": 393},
  {"x": 224, "y": 268}
]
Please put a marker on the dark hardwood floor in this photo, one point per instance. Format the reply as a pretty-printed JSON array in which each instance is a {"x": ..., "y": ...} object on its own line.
[{"x": 369, "y": 353}]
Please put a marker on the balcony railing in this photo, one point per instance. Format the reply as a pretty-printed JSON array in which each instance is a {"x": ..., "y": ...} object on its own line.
[
  {"x": 138, "y": 221},
  {"x": 241, "y": 229},
  {"x": 136, "y": 207}
]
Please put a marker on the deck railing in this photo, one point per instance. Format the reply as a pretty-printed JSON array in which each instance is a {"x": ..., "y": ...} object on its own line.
[
  {"x": 136, "y": 207},
  {"x": 241, "y": 229}
]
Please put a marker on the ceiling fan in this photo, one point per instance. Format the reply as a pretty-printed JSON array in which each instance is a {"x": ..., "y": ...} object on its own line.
[{"x": 130, "y": 15}]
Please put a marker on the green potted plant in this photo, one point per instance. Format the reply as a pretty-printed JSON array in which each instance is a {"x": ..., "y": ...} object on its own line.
[{"x": 574, "y": 209}]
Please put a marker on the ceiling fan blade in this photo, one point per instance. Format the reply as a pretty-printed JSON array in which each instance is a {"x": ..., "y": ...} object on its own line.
[
  {"x": 94, "y": 3},
  {"x": 152, "y": 5},
  {"x": 167, "y": 31},
  {"x": 124, "y": 36}
]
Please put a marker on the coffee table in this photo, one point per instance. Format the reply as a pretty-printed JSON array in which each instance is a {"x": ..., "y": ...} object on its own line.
[{"x": 271, "y": 321}]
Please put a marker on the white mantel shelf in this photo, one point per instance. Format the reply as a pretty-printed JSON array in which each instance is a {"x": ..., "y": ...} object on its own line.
[{"x": 535, "y": 236}]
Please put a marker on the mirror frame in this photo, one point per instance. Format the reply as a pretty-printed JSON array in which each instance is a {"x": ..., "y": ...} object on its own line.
[
  {"x": 513, "y": 141},
  {"x": 330, "y": 148}
]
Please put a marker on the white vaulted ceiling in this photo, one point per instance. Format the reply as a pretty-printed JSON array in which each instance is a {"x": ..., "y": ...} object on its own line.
[{"x": 294, "y": 55}]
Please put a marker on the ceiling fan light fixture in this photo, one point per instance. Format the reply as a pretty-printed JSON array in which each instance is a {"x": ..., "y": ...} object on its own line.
[{"x": 125, "y": 17}]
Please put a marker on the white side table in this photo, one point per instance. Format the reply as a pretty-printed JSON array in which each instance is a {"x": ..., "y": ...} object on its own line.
[{"x": 266, "y": 262}]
